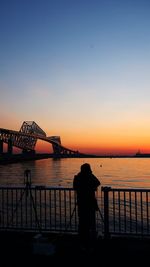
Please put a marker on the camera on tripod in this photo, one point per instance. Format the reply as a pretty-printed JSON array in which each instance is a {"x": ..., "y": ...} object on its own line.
[{"x": 27, "y": 178}]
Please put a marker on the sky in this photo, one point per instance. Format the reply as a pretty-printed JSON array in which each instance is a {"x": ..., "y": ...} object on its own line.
[{"x": 80, "y": 69}]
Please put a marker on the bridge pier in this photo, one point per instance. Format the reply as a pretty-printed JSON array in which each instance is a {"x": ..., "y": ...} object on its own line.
[
  {"x": 1, "y": 147},
  {"x": 10, "y": 147}
]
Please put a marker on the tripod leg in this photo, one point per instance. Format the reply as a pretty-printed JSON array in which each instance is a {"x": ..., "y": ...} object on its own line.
[
  {"x": 72, "y": 216},
  {"x": 17, "y": 205},
  {"x": 101, "y": 214},
  {"x": 35, "y": 211}
]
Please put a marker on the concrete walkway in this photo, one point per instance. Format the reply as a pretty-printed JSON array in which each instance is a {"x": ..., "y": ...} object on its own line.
[{"x": 24, "y": 249}]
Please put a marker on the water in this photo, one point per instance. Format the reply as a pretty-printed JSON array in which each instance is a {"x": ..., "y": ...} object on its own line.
[{"x": 114, "y": 172}]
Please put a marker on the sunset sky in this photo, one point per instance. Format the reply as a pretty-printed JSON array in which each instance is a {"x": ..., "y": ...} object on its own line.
[{"x": 80, "y": 69}]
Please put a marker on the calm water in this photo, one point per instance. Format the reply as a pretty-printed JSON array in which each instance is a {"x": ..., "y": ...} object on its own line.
[{"x": 115, "y": 172}]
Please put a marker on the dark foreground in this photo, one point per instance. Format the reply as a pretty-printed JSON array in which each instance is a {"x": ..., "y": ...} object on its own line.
[{"x": 22, "y": 249}]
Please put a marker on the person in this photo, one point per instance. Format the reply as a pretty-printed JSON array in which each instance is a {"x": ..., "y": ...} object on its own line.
[{"x": 85, "y": 184}]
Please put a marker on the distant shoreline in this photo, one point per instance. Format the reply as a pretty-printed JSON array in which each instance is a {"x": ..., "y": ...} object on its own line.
[{"x": 7, "y": 159}]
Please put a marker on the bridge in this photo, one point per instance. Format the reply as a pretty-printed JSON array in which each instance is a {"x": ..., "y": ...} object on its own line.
[{"x": 26, "y": 138}]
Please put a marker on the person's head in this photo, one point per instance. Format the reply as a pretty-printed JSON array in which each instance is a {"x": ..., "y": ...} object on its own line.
[{"x": 86, "y": 168}]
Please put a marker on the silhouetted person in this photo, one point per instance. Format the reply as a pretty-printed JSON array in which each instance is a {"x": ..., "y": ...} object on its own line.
[{"x": 85, "y": 184}]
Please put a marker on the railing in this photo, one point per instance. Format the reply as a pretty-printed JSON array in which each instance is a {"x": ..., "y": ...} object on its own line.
[
  {"x": 40, "y": 208},
  {"x": 126, "y": 211}
]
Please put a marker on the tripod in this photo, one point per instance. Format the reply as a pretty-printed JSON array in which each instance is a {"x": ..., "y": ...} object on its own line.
[
  {"x": 28, "y": 193},
  {"x": 101, "y": 214}
]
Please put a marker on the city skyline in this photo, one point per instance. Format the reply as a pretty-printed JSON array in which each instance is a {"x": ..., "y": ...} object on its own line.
[{"x": 79, "y": 69}]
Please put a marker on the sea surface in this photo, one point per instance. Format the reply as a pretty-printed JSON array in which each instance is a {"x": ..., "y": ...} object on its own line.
[{"x": 114, "y": 172}]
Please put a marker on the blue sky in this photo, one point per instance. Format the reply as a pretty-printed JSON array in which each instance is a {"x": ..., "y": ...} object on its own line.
[{"x": 80, "y": 69}]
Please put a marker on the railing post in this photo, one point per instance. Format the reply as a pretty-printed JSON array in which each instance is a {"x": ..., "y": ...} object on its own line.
[{"x": 106, "y": 190}]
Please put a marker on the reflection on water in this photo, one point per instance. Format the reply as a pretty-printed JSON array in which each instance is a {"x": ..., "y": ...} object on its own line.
[{"x": 115, "y": 172}]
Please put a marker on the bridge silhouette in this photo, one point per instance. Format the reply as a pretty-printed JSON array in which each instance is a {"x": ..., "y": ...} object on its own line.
[{"x": 26, "y": 138}]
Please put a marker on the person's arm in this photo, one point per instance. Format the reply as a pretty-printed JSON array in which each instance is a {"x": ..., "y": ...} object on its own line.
[{"x": 96, "y": 182}]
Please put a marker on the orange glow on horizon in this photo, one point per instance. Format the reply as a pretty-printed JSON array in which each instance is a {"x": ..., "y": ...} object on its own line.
[
  {"x": 106, "y": 141},
  {"x": 109, "y": 149},
  {"x": 43, "y": 147}
]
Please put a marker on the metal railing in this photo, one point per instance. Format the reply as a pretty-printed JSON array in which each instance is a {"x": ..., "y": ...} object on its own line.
[
  {"x": 40, "y": 208},
  {"x": 126, "y": 211}
]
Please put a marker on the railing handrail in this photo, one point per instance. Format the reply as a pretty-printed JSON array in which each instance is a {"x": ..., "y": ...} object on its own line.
[
  {"x": 103, "y": 188},
  {"x": 35, "y": 187}
]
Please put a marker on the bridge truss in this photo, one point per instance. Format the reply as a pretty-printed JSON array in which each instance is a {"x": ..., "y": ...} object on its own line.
[{"x": 27, "y": 137}]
